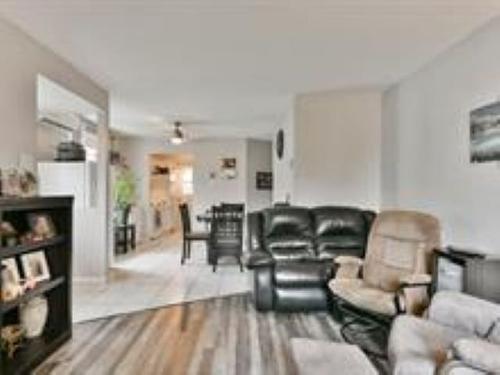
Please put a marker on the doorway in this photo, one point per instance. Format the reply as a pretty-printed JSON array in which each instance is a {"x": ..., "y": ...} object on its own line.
[{"x": 170, "y": 184}]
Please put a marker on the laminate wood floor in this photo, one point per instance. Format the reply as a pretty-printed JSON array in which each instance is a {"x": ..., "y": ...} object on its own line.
[{"x": 216, "y": 336}]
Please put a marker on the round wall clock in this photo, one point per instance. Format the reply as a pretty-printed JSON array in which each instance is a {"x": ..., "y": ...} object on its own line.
[{"x": 280, "y": 143}]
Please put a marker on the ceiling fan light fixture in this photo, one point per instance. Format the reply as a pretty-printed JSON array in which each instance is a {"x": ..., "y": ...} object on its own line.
[
  {"x": 178, "y": 136},
  {"x": 176, "y": 140}
]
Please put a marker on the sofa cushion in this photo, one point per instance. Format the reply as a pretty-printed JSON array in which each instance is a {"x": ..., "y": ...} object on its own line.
[
  {"x": 338, "y": 221},
  {"x": 329, "y": 247},
  {"x": 493, "y": 334},
  {"x": 361, "y": 295},
  {"x": 325, "y": 357},
  {"x": 418, "y": 346},
  {"x": 301, "y": 299},
  {"x": 287, "y": 221},
  {"x": 305, "y": 274},
  {"x": 330, "y": 253},
  {"x": 340, "y": 242},
  {"x": 478, "y": 353},
  {"x": 281, "y": 254},
  {"x": 288, "y": 242}
]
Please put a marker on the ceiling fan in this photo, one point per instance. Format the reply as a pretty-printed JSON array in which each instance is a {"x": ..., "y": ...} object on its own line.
[{"x": 178, "y": 136}]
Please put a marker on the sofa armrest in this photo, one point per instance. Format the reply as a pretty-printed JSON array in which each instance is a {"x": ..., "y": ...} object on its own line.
[
  {"x": 369, "y": 216},
  {"x": 259, "y": 259},
  {"x": 477, "y": 353},
  {"x": 254, "y": 231},
  {"x": 463, "y": 312},
  {"x": 456, "y": 367},
  {"x": 347, "y": 267}
]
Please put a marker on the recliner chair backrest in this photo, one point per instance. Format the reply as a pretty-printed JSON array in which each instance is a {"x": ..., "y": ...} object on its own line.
[{"x": 400, "y": 243}]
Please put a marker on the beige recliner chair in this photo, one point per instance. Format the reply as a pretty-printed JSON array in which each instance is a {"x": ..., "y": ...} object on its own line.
[{"x": 397, "y": 269}]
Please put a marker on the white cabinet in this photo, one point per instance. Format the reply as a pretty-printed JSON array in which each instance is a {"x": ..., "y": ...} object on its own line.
[{"x": 78, "y": 179}]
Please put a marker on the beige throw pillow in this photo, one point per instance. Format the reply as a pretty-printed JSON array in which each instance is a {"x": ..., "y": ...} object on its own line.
[{"x": 478, "y": 353}]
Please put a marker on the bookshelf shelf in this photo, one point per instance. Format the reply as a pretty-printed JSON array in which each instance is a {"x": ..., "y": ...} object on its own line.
[{"x": 8, "y": 252}]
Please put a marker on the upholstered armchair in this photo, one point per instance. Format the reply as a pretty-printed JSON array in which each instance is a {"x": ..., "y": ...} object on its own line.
[
  {"x": 459, "y": 336},
  {"x": 396, "y": 272}
]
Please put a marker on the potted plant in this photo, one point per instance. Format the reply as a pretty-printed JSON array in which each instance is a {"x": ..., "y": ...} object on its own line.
[{"x": 124, "y": 194}]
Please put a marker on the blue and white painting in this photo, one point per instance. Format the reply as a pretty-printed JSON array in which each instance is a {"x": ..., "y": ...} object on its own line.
[{"x": 485, "y": 133}]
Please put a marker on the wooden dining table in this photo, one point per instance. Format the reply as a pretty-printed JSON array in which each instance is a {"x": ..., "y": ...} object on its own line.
[{"x": 206, "y": 217}]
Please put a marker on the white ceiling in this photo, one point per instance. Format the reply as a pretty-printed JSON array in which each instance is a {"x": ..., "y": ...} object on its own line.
[{"x": 232, "y": 65}]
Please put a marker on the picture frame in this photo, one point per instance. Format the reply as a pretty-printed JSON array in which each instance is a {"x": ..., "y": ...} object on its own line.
[
  {"x": 485, "y": 133},
  {"x": 11, "y": 280},
  {"x": 11, "y": 271},
  {"x": 11, "y": 182},
  {"x": 35, "y": 266},
  {"x": 264, "y": 180},
  {"x": 41, "y": 225},
  {"x": 228, "y": 168}
]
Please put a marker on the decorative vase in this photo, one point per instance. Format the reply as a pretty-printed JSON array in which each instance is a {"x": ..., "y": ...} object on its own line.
[{"x": 33, "y": 316}]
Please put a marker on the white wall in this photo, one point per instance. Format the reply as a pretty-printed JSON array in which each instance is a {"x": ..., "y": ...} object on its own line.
[
  {"x": 259, "y": 159},
  {"x": 338, "y": 148},
  {"x": 283, "y": 168},
  {"x": 22, "y": 58},
  {"x": 207, "y": 154},
  {"x": 427, "y": 123}
]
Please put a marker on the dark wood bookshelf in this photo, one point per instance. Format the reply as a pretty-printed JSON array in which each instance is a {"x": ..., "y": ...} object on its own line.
[
  {"x": 9, "y": 252},
  {"x": 33, "y": 352},
  {"x": 57, "y": 290}
]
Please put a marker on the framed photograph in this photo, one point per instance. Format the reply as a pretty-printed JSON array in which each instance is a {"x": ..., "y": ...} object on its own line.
[
  {"x": 11, "y": 183},
  {"x": 10, "y": 272},
  {"x": 11, "y": 281},
  {"x": 485, "y": 133},
  {"x": 35, "y": 266},
  {"x": 264, "y": 181},
  {"x": 228, "y": 168},
  {"x": 42, "y": 226}
]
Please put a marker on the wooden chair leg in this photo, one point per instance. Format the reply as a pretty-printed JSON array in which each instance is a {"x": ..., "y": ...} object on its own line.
[
  {"x": 214, "y": 268},
  {"x": 240, "y": 263},
  {"x": 189, "y": 249},
  {"x": 183, "y": 256},
  {"x": 209, "y": 253}
]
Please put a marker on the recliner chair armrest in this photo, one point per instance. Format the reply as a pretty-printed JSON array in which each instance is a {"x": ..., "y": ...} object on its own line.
[
  {"x": 415, "y": 280},
  {"x": 412, "y": 296},
  {"x": 259, "y": 258},
  {"x": 348, "y": 259},
  {"x": 347, "y": 267}
]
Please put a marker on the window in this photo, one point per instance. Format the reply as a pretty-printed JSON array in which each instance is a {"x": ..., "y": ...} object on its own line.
[{"x": 187, "y": 180}]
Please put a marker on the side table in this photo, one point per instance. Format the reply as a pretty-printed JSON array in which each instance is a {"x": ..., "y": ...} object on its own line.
[
  {"x": 124, "y": 238},
  {"x": 467, "y": 271}
]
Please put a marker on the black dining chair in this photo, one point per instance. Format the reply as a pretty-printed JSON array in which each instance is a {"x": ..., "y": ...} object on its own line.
[
  {"x": 237, "y": 208},
  {"x": 226, "y": 235},
  {"x": 188, "y": 236}
]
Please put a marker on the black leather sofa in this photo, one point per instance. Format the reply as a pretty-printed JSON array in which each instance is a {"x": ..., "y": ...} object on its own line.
[{"x": 291, "y": 251}]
